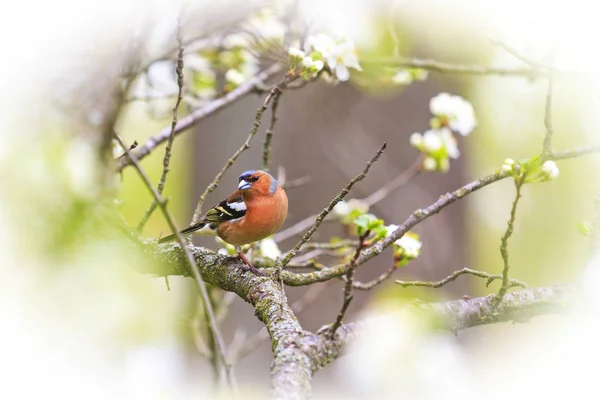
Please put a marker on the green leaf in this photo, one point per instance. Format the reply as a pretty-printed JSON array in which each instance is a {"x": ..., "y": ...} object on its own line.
[
  {"x": 362, "y": 221},
  {"x": 585, "y": 228},
  {"x": 380, "y": 232}
]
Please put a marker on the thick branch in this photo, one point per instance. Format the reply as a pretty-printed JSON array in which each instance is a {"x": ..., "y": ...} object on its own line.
[
  {"x": 298, "y": 354},
  {"x": 456, "y": 315}
]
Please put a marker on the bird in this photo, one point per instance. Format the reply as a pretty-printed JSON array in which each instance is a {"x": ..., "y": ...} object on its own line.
[{"x": 256, "y": 210}]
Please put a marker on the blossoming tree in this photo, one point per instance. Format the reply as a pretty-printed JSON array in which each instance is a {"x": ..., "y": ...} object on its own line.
[{"x": 270, "y": 51}]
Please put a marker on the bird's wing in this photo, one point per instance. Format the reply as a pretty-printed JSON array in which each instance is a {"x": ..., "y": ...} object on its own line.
[{"x": 231, "y": 208}]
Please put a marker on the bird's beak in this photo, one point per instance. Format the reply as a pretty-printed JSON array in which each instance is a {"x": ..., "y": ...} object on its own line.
[{"x": 243, "y": 185}]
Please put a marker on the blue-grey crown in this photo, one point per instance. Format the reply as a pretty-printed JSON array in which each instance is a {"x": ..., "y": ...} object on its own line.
[{"x": 247, "y": 174}]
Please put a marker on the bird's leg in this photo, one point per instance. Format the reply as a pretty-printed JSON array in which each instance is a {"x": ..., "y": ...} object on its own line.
[{"x": 247, "y": 262}]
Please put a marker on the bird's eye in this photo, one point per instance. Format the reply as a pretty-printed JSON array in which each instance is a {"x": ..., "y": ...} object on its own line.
[{"x": 254, "y": 178}]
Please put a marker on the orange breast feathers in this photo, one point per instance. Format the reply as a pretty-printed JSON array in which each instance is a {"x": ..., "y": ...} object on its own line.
[{"x": 265, "y": 214}]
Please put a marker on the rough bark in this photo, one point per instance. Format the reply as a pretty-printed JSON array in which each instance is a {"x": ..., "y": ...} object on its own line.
[{"x": 298, "y": 353}]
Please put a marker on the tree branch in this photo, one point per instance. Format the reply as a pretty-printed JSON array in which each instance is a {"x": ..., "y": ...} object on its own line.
[
  {"x": 509, "y": 231},
  {"x": 298, "y": 353},
  {"x": 269, "y": 133},
  {"x": 167, "y": 157},
  {"x": 201, "y": 113},
  {"x": 332, "y": 204},
  {"x": 447, "y": 68},
  {"x": 189, "y": 262}
]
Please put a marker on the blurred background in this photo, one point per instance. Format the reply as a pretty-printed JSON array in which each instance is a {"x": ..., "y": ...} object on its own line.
[{"x": 79, "y": 320}]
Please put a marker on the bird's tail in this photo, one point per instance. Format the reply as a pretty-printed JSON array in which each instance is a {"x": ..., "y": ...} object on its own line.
[{"x": 184, "y": 232}]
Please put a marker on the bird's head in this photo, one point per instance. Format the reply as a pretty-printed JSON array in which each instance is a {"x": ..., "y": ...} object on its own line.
[{"x": 255, "y": 182}]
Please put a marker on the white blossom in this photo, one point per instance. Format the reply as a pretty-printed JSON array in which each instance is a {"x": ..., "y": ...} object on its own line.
[
  {"x": 508, "y": 165},
  {"x": 402, "y": 77},
  {"x": 449, "y": 142},
  {"x": 390, "y": 229},
  {"x": 341, "y": 209},
  {"x": 429, "y": 164},
  {"x": 295, "y": 54},
  {"x": 344, "y": 208},
  {"x": 416, "y": 140},
  {"x": 442, "y": 104},
  {"x": 341, "y": 58},
  {"x": 432, "y": 141},
  {"x": 307, "y": 62},
  {"x": 317, "y": 65},
  {"x": 550, "y": 169},
  {"x": 234, "y": 76},
  {"x": 269, "y": 249},
  {"x": 459, "y": 112},
  {"x": 340, "y": 55},
  {"x": 410, "y": 244},
  {"x": 321, "y": 42}
]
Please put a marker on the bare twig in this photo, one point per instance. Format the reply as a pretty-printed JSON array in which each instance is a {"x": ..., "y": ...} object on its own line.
[
  {"x": 269, "y": 133},
  {"x": 313, "y": 254},
  {"x": 332, "y": 204},
  {"x": 192, "y": 119},
  {"x": 296, "y": 183},
  {"x": 349, "y": 281},
  {"x": 257, "y": 120},
  {"x": 481, "y": 274},
  {"x": 573, "y": 153},
  {"x": 375, "y": 282},
  {"x": 395, "y": 183},
  {"x": 447, "y": 68},
  {"x": 190, "y": 261},
  {"x": 295, "y": 279},
  {"x": 547, "y": 146},
  {"x": 504, "y": 243},
  {"x": 167, "y": 158},
  {"x": 370, "y": 200},
  {"x": 510, "y": 50},
  {"x": 421, "y": 214}
]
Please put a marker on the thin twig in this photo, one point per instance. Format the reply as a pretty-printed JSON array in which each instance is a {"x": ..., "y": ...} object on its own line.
[
  {"x": 191, "y": 263},
  {"x": 269, "y": 133},
  {"x": 257, "y": 120},
  {"x": 370, "y": 200},
  {"x": 395, "y": 184},
  {"x": 375, "y": 282},
  {"x": 547, "y": 146},
  {"x": 450, "y": 278},
  {"x": 167, "y": 157},
  {"x": 193, "y": 118},
  {"x": 296, "y": 183},
  {"x": 510, "y": 50},
  {"x": 349, "y": 283},
  {"x": 332, "y": 204},
  {"x": 314, "y": 254},
  {"x": 419, "y": 215},
  {"x": 442, "y": 67},
  {"x": 504, "y": 243},
  {"x": 573, "y": 153}
]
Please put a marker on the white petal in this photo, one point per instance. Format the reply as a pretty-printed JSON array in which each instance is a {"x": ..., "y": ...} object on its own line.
[
  {"x": 342, "y": 73},
  {"x": 432, "y": 141}
]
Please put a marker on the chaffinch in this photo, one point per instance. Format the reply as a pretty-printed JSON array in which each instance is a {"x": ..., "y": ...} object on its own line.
[{"x": 253, "y": 212}]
